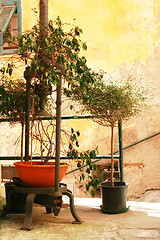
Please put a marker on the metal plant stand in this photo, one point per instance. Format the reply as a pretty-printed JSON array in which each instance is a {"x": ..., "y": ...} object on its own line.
[
  {"x": 43, "y": 196},
  {"x": 51, "y": 198}
]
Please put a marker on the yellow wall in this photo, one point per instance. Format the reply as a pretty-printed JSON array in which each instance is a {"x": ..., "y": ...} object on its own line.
[
  {"x": 122, "y": 36},
  {"x": 116, "y": 31}
]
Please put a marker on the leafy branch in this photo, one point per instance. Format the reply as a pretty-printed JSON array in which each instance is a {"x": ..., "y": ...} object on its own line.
[{"x": 84, "y": 163}]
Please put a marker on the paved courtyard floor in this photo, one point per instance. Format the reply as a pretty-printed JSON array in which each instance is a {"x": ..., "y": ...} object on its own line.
[{"x": 141, "y": 221}]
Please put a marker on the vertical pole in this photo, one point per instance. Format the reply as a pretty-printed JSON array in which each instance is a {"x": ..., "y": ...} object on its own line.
[
  {"x": 120, "y": 151},
  {"x": 58, "y": 137},
  {"x": 27, "y": 120}
]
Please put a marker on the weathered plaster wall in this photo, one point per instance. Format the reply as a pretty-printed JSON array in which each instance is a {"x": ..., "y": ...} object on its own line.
[
  {"x": 116, "y": 32},
  {"x": 123, "y": 37}
]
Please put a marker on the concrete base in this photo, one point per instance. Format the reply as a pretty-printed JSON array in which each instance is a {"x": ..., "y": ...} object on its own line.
[{"x": 141, "y": 221}]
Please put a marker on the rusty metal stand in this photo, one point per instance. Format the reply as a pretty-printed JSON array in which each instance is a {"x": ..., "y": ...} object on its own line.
[
  {"x": 47, "y": 198},
  {"x": 29, "y": 208},
  {"x": 72, "y": 207}
]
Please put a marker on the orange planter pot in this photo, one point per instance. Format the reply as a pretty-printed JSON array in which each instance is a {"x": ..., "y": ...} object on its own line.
[{"x": 38, "y": 175}]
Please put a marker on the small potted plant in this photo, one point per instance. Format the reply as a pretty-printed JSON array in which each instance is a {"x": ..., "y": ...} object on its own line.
[{"x": 111, "y": 103}]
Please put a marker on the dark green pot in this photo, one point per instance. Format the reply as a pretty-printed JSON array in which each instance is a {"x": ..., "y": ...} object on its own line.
[
  {"x": 15, "y": 202},
  {"x": 114, "y": 199}
]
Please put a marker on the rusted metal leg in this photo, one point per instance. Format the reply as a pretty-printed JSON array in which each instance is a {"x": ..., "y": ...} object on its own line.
[
  {"x": 29, "y": 208},
  {"x": 56, "y": 212},
  {"x": 72, "y": 207},
  {"x": 48, "y": 210}
]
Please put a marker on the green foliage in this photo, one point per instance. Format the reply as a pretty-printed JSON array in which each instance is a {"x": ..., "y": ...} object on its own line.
[
  {"x": 12, "y": 95},
  {"x": 109, "y": 101},
  {"x": 13, "y": 98},
  {"x": 50, "y": 54},
  {"x": 53, "y": 52},
  {"x": 84, "y": 163}
]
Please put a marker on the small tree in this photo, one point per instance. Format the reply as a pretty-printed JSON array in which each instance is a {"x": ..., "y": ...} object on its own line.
[
  {"x": 52, "y": 56},
  {"x": 110, "y": 103}
]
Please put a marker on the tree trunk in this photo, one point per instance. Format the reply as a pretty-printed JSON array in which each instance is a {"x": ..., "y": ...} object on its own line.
[
  {"x": 112, "y": 159},
  {"x": 22, "y": 124},
  {"x": 43, "y": 12}
]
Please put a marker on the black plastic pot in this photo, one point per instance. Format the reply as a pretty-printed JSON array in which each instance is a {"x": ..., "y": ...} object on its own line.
[
  {"x": 15, "y": 202},
  {"x": 114, "y": 199}
]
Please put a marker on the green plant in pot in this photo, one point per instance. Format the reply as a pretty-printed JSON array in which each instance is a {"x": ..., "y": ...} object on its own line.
[
  {"x": 111, "y": 102},
  {"x": 12, "y": 97},
  {"x": 12, "y": 107},
  {"x": 52, "y": 57}
]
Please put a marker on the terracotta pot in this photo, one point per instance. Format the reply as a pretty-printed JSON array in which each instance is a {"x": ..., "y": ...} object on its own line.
[{"x": 38, "y": 175}]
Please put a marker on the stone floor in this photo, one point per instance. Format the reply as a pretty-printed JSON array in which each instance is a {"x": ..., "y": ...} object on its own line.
[{"x": 142, "y": 221}]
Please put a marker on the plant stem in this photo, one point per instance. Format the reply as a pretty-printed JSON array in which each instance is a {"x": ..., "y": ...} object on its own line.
[
  {"x": 22, "y": 124},
  {"x": 112, "y": 159}
]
